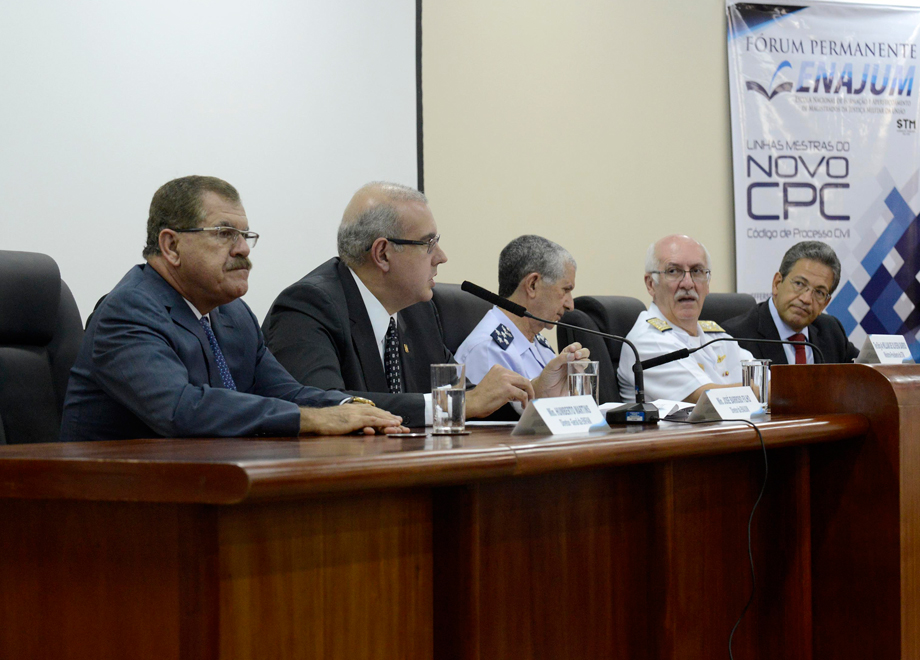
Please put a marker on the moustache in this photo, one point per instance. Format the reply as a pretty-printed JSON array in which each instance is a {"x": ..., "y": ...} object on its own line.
[
  {"x": 686, "y": 294},
  {"x": 239, "y": 263}
]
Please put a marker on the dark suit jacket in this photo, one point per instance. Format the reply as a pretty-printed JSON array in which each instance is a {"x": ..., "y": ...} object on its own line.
[
  {"x": 146, "y": 369},
  {"x": 826, "y": 333},
  {"x": 319, "y": 330}
]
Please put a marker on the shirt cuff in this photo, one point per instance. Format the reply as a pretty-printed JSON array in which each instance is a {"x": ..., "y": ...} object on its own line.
[{"x": 429, "y": 412}]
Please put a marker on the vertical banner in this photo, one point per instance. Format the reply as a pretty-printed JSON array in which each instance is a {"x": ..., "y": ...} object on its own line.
[{"x": 825, "y": 147}]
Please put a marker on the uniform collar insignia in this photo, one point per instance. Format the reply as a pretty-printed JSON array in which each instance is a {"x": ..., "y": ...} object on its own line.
[
  {"x": 658, "y": 324},
  {"x": 502, "y": 336}
]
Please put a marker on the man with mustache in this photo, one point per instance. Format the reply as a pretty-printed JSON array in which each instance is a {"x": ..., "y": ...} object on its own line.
[
  {"x": 539, "y": 275},
  {"x": 677, "y": 273},
  {"x": 173, "y": 352},
  {"x": 808, "y": 275},
  {"x": 364, "y": 321}
]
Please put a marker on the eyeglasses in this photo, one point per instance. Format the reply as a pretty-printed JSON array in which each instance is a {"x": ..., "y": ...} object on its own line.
[
  {"x": 801, "y": 287},
  {"x": 675, "y": 274},
  {"x": 430, "y": 243},
  {"x": 225, "y": 235}
]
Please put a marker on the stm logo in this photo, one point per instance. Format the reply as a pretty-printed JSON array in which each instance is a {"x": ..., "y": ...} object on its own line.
[
  {"x": 906, "y": 126},
  {"x": 779, "y": 89}
]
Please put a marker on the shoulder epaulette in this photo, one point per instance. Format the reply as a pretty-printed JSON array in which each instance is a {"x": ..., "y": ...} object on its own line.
[
  {"x": 658, "y": 324},
  {"x": 502, "y": 336},
  {"x": 711, "y": 326}
]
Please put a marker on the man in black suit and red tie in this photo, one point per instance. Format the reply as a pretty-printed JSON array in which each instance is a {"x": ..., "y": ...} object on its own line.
[{"x": 808, "y": 275}]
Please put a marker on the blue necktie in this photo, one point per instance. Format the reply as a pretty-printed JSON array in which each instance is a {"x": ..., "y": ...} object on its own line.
[{"x": 225, "y": 376}]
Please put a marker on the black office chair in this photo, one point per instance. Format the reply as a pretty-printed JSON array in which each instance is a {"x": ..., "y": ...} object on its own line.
[
  {"x": 608, "y": 388},
  {"x": 40, "y": 335},
  {"x": 615, "y": 315},
  {"x": 460, "y": 312},
  {"x": 720, "y": 307}
]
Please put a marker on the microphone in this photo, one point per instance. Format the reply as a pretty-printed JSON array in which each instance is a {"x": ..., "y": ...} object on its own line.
[
  {"x": 685, "y": 352},
  {"x": 639, "y": 412}
]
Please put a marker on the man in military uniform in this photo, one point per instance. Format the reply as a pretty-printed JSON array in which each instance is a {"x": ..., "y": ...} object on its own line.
[
  {"x": 677, "y": 272},
  {"x": 535, "y": 273}
]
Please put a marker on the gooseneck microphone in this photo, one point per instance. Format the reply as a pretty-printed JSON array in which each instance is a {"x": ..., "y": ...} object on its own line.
[
  {"x": 639, "y": 412},
  {"x": 680, "y": 354}
]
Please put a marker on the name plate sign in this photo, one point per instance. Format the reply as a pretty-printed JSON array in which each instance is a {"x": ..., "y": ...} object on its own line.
[
  {"x": 727, "y": 403},
  {"x": 560, "y": 415},
  {"x": 884, "y": 349}
]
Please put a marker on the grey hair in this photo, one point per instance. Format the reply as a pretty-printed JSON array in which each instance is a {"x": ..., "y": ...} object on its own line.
[
  {"x": 815, "y": 251},
  {"x": 652, "y": 263},
  {"x": 531, "y": 254},
  {"x": 356, "y": 235}
]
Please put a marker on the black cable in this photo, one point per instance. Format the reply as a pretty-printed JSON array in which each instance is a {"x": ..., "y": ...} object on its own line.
[{"x": 763, "y": 488}]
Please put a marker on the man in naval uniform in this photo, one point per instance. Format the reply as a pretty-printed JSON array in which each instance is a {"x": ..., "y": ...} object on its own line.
[
  {"x": 677, "y": 272},
  {"x": 539, "y": 275}
]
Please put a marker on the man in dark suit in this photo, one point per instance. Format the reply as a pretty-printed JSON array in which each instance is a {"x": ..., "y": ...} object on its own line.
[
  {"x": 365, "y": 323},
  {"x": 172, "y": 351},
  {"x": 808, "y": 275}
]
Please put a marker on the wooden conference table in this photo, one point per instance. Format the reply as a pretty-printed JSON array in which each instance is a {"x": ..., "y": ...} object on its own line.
[{"x": 631, "y": 544}]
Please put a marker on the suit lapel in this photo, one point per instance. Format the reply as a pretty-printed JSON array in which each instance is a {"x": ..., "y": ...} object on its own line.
[
  {"x": 182, "y": 315},
  {"x": 362, "y": 334},
  {"x": 816, "y": 337},
  {"x": 767, "y": 330},
  {"x": 413, "y": 380}
]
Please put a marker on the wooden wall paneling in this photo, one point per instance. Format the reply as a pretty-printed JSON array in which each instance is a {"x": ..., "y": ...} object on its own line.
[
  {"x": 108, "y": 574},
  {"x": 557, "y": 566},
  {"x": 347, "y": 578},
  {"x": 859, "y": 512},
  {"x": 701, "y": 573}
]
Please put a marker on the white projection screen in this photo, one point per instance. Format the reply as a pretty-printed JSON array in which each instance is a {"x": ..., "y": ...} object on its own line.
[{"x": 296, "y": 103}]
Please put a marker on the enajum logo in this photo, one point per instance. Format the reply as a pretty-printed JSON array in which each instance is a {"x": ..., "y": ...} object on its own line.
[{"x": 779, "y": 89}]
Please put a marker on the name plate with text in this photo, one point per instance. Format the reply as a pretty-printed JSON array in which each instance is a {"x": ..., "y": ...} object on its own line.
[
  {"x": 728, "y": 403},
  {"x": 559, "y": 415},
  {"x": 884, "y": 349}
]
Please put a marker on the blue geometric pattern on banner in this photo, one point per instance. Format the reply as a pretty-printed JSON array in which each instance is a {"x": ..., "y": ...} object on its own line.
[
  {"x": 906, "y": 277},
  {"x": 884, "y": 290},
  {"x": 840, "y": 307},
  {"x": 876, "y": 285},
  {"x": 903, "y": 216},
  {"x": 884, "y": 308}
]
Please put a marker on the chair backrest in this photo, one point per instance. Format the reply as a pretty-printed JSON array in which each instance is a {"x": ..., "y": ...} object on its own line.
[
  {"x": 720, "y": 307},
  {"x": 460, "y": 312},
  {"x": 40, "y": 335},
  {"x": 608, "y": 388},
  {"x": 615, "y": 315}
]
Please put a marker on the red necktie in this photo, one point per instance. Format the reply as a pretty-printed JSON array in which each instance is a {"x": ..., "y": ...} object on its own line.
[{"x": 799, "y": 350}]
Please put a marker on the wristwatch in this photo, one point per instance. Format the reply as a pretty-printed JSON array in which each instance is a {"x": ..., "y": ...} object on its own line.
[{"x": 356, "y": 399}]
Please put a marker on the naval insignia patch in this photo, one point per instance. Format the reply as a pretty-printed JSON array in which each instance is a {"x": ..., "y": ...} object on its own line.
[
  {"x": 659, "y": 324},
  {"x": 542, "y": 340},
  {"x": 711, "y": 326},
  {"x": 502, "y": 336}
]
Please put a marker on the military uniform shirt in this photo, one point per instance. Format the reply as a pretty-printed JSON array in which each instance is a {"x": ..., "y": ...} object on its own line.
[
  {"x": 719, "y": 364},
  {"x": 497, "y": 340}
]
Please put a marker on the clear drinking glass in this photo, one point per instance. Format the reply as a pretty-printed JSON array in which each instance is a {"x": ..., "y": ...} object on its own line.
[
  {"x": 757, "y": 373},
  {"x": 583, "y": 378},
  {"x": 448, "y": 398}
]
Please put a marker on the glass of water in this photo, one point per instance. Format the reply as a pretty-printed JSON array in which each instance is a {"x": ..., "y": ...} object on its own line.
[
  {"x": 448, "y": 398},
  {"x": 756, "y": 373},
  {"x": 583, "y": 378}
]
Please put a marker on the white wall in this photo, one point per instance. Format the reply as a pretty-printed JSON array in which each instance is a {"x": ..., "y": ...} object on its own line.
[{"x": 296, "y": 103}]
